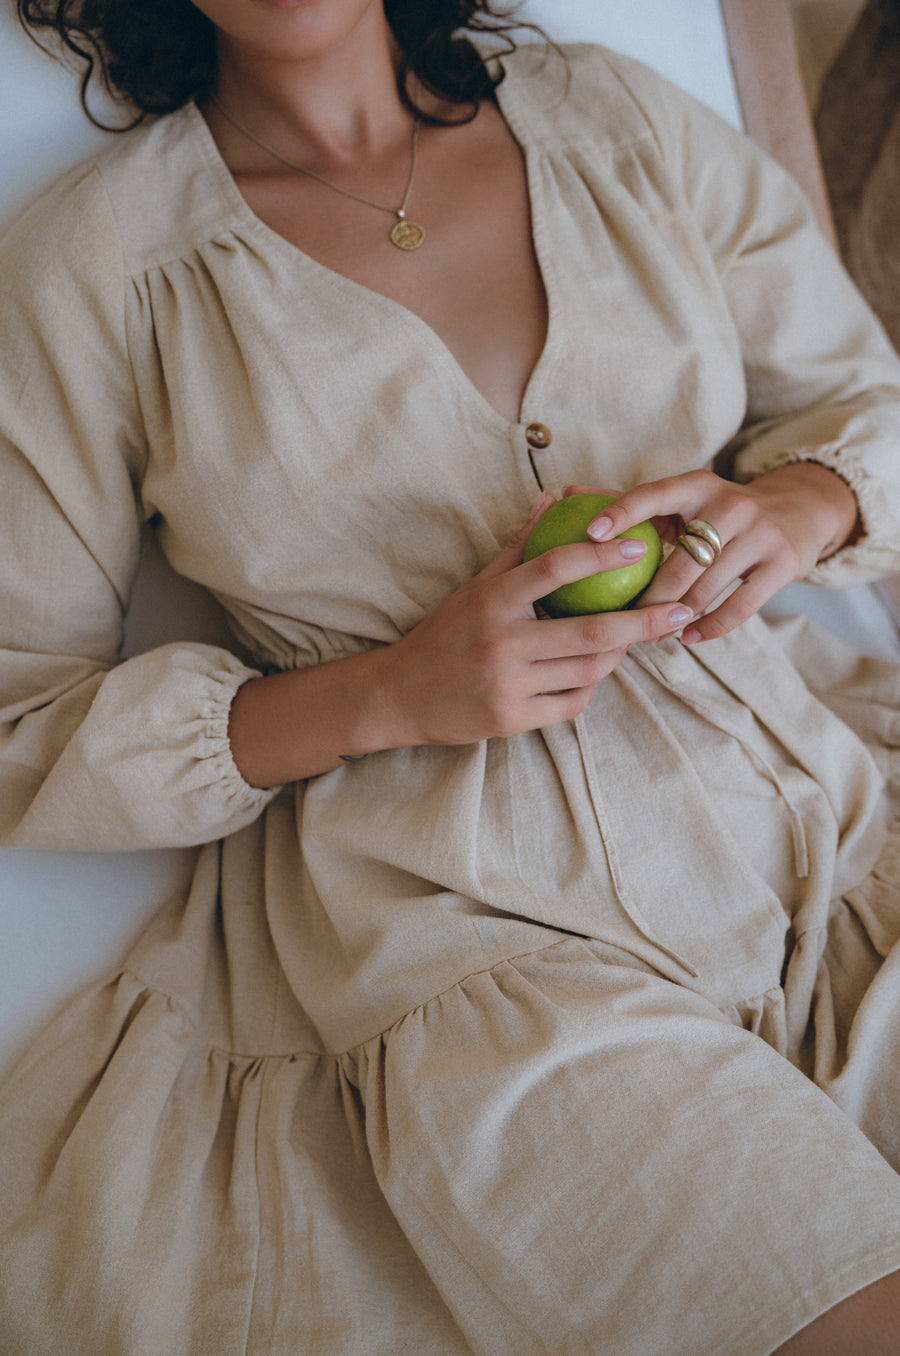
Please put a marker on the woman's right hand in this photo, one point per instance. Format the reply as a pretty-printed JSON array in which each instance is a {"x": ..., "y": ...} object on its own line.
[{"x": 483, "y": 664}]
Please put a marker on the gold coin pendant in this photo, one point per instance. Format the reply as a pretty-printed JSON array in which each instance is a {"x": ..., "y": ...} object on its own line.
[{"x": 407, "y": 235}]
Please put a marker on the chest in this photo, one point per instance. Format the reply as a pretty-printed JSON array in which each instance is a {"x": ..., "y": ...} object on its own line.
[
  {"x": 359, "y": 473},
  {"x": 475, "y": 280}
]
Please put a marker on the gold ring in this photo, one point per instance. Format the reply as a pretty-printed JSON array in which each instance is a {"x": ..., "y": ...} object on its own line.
[{"x": 701, "y": 540}]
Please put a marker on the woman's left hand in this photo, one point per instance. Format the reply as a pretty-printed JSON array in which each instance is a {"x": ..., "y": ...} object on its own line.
[{"x": 773, "y": 531}]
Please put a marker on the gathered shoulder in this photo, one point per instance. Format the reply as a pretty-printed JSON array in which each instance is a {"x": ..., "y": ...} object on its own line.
[
  {"x": 579, "y": 92},
  {"x": 153, "y": 193},
  {"x": 61, "y": 229},
  {"x": 61, "y": 271},
  {"x": 586, "y": 102}
]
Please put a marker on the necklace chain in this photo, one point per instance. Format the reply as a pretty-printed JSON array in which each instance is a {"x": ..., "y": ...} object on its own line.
[{"x": 406, "y": 234}]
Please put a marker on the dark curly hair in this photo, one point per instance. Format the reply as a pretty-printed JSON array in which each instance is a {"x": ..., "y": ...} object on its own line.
[{"x": 157, "y": 55}]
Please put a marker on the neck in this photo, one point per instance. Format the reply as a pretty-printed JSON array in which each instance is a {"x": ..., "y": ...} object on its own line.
[{"x": 327, "y": 106}]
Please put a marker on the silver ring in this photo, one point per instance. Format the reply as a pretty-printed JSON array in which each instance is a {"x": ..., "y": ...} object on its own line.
[{"x": 701, "y": 541}]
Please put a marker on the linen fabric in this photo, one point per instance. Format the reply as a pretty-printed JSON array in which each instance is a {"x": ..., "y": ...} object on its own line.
[{"x": 584, "y": 1040}]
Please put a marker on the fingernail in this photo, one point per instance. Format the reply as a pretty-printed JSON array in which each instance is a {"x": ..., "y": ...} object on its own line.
[
  {"x": 539, "y": 503},
  {"x": 679, "y": 615},
  {"x": 691, "y": 635},
  {"x": 599, "y": 528},
  {"x": 633, "y": 550}
]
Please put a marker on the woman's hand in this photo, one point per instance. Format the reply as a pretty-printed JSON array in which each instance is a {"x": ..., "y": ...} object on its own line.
[
  {"x": 773, "y": 531},
  {"x": 480, "y": 665},
  {"x": 483, "y": 664}
]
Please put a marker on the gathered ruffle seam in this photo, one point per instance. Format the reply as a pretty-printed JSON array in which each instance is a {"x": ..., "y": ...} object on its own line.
[{"x": 214, "y": 1047}]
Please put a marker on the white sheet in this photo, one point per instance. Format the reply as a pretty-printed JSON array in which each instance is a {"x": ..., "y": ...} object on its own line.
[{"x": 66, "y": 918}]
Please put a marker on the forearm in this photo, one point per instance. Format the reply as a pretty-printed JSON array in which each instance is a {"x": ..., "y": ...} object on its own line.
[
  {"x": 821, "y": 499},
  {"x": 289, "y": 726}
]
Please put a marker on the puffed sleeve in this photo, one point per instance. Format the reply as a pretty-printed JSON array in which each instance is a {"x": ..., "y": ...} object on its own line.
[
  {"x": 96, "y": 753},
  {"x": 823, "y": 382}
]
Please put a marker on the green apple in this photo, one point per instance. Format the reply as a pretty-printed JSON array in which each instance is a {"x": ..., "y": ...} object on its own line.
[{"x": 609, "y": 590}]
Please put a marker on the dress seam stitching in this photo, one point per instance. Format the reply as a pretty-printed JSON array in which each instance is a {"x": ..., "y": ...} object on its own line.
[
  {"x": 216, "y": 1047},
  {"x": 350, "y": 1050}
]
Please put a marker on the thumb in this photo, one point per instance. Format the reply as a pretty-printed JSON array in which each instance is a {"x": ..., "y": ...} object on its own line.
[{"x": 511, "y": 554}]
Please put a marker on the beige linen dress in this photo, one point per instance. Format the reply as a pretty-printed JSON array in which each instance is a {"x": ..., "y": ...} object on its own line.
[{"x": 582, "y": 1041}]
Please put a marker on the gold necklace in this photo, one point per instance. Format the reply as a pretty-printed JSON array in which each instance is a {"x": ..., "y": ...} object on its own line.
[{"x": 405, "y": 234}]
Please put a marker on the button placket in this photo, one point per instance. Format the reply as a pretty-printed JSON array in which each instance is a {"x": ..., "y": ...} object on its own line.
[{"x": 538, "y": 438}]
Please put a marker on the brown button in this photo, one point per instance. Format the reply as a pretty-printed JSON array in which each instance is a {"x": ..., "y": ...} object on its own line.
[{"x": 538, "y": 436}]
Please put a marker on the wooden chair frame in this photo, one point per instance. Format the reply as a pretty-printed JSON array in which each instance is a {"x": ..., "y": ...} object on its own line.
[{"x": 771, "y": 93}]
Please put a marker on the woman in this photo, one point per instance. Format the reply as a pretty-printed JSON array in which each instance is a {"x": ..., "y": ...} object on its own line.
[{"x": 562, "y": 1020}]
